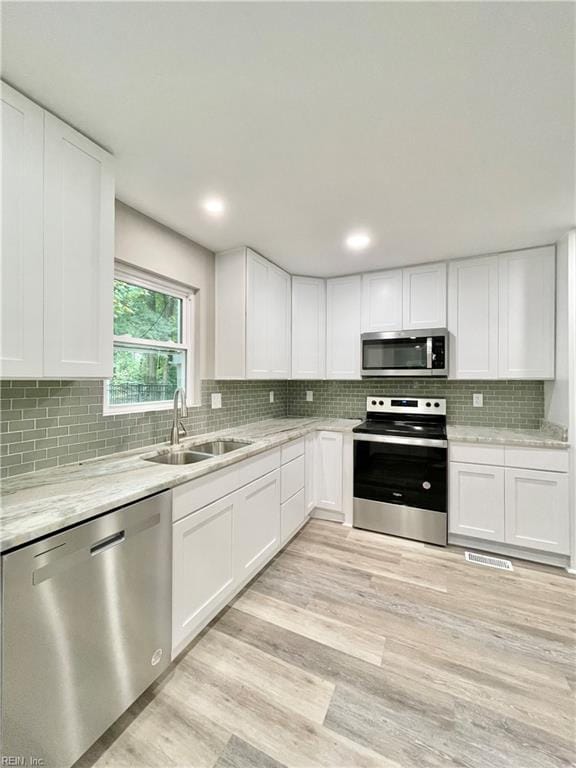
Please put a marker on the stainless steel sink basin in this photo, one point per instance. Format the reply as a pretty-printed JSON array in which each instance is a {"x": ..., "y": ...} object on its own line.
[
  {"x": 219, "y": 447},
  {"x": 196, "y": 453},
  {"x": 179, "y": 457}
]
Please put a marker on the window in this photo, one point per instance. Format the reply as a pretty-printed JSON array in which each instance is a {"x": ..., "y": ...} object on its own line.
[{"x": 153, "y": 334}]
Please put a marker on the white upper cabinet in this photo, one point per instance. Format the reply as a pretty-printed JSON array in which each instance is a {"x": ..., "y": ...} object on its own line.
[
  {"x": 343, "y": 299},
  {"x": 424, "y": 297},
  {"x": 473, "y": 318},
  {"x": 308, "y": 328},
  {"x": 78, "y": 254},
  {"x": 527, "y": 314},
  {"x": 253, "y": 308},
  {"x": 57, "y": 248},
  {"x": 279, "y": 316},
  {"x": 382, "y": 301},
  {"x": 22, "y": 259}
]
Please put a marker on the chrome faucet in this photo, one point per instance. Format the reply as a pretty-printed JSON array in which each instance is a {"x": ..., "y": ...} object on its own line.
[{"x": 178, "y": 429}]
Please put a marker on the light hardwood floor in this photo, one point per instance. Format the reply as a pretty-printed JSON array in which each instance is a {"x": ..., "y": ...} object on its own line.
[{"x": 354, "y": 649}]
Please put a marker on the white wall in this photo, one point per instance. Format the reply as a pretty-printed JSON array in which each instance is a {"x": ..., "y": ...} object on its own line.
[
  {"x": 145, "y": 243},
  {"x": 557, "y": 392}
]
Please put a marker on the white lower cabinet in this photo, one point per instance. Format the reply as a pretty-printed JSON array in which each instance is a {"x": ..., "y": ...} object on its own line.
[
  {"x": 293, "y": 514},
  {"x": 523, "y": 503},
  {"x": 477, "y": 501},
  {"x": 256, "y": 525},
  {"x": 202, "y": 566},
  {"x": 328, "y": 466},
  {"x": 537, "y": 510},
  {"x": 310, "y": 472}
]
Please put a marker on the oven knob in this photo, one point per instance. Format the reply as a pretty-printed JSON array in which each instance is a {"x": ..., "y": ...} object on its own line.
[
  {"x": 373, "y": 402},
  {"x": 436, "y": 405},
  {"x": 426, "y": 485},
  {"x": 380, "y": 402},
  {"x": 428, "y": 405}
]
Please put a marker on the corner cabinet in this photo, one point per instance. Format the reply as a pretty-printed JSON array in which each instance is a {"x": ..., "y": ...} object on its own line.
[
  {"x": 343, "y": 300},
  {"x": 308, "y": 328},
  {"x": 252, "y": 318},
  {"x": 57, "y": 247}
]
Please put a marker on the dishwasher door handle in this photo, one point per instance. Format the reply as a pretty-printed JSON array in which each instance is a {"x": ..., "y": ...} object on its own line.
[{"x": 107, "y": 542}]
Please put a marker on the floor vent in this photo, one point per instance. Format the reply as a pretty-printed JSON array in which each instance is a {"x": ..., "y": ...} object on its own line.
[{"x": 491, "y": 562}]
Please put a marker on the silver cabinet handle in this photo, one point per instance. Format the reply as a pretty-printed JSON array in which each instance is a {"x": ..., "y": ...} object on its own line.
[{"x": 109, "y": 541}]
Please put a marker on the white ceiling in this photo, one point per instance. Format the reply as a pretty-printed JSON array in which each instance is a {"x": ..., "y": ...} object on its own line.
[{"x": 446, "y": 129}]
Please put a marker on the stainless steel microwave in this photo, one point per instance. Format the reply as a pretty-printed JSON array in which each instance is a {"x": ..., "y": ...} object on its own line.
[{"x": 405, "y": 353}]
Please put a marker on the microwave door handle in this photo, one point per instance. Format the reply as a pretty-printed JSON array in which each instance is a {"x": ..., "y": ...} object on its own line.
[{"x": 429, "y": 352}]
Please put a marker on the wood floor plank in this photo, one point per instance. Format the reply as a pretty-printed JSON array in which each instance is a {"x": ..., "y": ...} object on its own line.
[
  {"x": 328, "y": 631},
  {"x": 239, "y": 754},
  {"x": 279, "y": 733},
  {"x": 299, "y": 691}
]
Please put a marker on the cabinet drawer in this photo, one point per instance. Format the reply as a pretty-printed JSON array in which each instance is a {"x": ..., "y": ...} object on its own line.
[
  {"x": 293, "y": 515},
  {"x": 551, "y": 459},
  {"x": 474, "y": 453},
  {"x": 198, "y": 493},
  {"x": 260, "y": 465},
  {"x": 292, "y": 450},
  {"x": 292, "y": 477}
]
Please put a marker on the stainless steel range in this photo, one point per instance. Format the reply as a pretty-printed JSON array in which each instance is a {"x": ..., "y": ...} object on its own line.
[{"x": 401, "y": 468}]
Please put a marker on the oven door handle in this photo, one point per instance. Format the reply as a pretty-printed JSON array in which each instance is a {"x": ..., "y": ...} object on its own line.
[{"x": 421, "y": 441}]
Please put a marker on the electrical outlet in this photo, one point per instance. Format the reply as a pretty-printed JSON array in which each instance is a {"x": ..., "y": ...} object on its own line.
[
  {"x": 309, "y": 395},
  {"x": 478, "y": 400},
  {"x": 271, "y": 397},
  {"x": 216, "y": 400}
]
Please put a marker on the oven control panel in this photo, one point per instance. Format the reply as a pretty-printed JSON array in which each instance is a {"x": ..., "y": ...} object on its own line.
[{"x": 430, "y": 405}]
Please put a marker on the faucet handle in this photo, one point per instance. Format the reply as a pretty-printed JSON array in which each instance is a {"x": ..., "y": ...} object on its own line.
[{"x": 181, "y": 430}]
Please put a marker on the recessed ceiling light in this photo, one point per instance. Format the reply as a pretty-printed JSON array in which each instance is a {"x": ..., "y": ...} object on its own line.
[
  {"x": 357, "y": 241},
  {"x": 215, "y": 206}
]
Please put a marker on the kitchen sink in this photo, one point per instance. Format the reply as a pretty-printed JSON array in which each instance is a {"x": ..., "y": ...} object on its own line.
[
  {"x": 179, "y": 457},
  {"x": 219, "y": 447},
  {"x": 197, "y": 453}
]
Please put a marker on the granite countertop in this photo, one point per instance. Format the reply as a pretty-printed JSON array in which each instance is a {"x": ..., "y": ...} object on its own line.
[
  {"x": 535, "y": 438},
  {"x": 40, "y": 503}
]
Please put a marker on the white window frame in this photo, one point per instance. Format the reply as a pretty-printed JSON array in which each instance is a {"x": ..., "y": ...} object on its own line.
[{"x": 188, "y": 295}]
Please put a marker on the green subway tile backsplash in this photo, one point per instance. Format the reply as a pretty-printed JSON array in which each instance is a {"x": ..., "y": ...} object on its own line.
[
  {"x": 45, "y": 424},
  {"x": 507, "y": 404},
  {"x": 49, "y": 423}
]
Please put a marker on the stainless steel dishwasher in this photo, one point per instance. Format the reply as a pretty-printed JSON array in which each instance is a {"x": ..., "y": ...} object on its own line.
[{"x": 86, "y": 617}]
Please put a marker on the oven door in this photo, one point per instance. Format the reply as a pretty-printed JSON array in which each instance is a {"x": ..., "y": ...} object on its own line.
[{"x": 407, "y": 471}]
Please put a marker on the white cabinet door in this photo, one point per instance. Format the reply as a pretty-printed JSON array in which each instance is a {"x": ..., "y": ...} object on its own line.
[
  {"x": 78, "y": 253},
  {"x": 527, "y": 314},
  {"x": 473, "y": 318},
  {"x": 202, "y": 567},
  {"x": 537, "y": 512},
  {"x": 278, "y": 325},
  {"x": 310, "y": 471},
  {"x": 257, "y": 331},
  {"x": 382, "y": 301},
  {"x": 328, "y": 471},
  {"x": 22, "y": 257},
  {"x": 343, "y": 328},
  {"x": 257, "y": 525},
  {"x": 424, "y": 303},
  {"x": 476, "y": 505},
  {"x": 308, "y": 328},
  {"x": 293, "y": 515}
]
